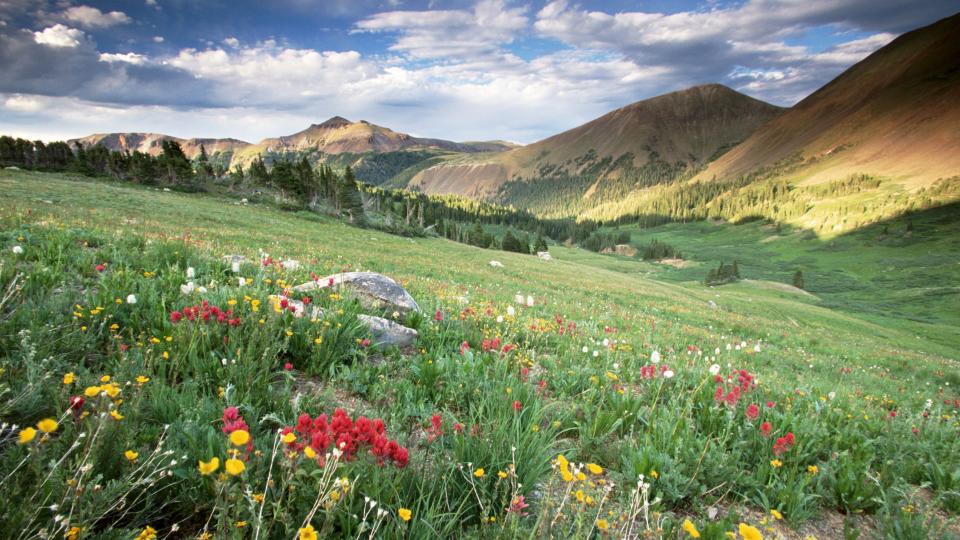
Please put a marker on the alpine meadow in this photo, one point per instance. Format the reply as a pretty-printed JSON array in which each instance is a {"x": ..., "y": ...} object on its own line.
[{"x": 677, "y": 270}]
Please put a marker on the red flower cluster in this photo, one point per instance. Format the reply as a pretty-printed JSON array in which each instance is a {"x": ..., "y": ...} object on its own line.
[
  {"x": 765, "y": 429},
  {"x": 651, "y": 371},
  {"x": 205, "y": 313},
  {"x": 436, "y": 428},
  {"x": 743, "y": 382},
  {"x": 753, "y": 411},
  {"x": 232, "y": 421},
  {"x": 350, "y": 437},
  {"x": 783, "y": 444},
  {"x": 438, "y": 316}
]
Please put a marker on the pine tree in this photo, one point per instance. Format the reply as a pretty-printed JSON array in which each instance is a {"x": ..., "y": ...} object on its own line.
[
  {"x": 798, "y": 279},
  {"x": 258, "y": 171},
  {"x": 349, "y": 200},
  {"x": 540, "y": 245}
]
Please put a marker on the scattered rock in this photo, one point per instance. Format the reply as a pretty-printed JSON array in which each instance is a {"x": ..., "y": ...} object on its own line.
[
  {"x": 387, "y": 333},
  {"x": 544, "y": 256},
  {"x": 496, "y": 264},
  {"x": 712, "y": 304},
  {"x": 375, "y": 291},
  {"x": 12, "y": 168}
]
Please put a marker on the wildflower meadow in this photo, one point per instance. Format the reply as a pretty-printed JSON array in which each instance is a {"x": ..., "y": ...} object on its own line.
[{"x": 159, "y": 378}]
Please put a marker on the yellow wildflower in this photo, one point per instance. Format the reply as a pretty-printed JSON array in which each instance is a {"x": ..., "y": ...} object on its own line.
[
  {"x": 235, "y": 467},
  {"x": 91, "y": 391},
  {"x": 776, "y": 463},
  {"x": 480, "y": 473},
  {"x": 69, "y": 378},
  {"x": 239, "y": 437},
  {"x": 47, "y": 425},
  {"x": 148, "y": 533},
  {"x": 749, "y": 533},
  {"x": 812, "y": 469},
  {"x": 775, "y": 513},
  {"x": 131, "y": 455},
  {"x": 691, "y": 529},
  {"x": 602, "y": 524},
  {"x": 594, "y": 468},
  {"x": 405, "y": 514},
  {"x": 307, "y": 533},
  {"x": 309, "y": 452},
  {"x": 116, "y": 416},
  {"x": 26, "y": 435},
  {"x": 288, "y": 438},
  {"x": 208, "y": 467}
]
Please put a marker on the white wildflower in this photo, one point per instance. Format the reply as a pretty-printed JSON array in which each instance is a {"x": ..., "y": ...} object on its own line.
[
  {"x": 17, "y": 250},
  {"x": 190, "y": 272},
  {"x": 235, "y": 267},
  {"x": 715, "y": 369},
  {"x": 131, "y": 299},
  {"x": 655, "y": 357},
  {"x": 668, "y": 374}
]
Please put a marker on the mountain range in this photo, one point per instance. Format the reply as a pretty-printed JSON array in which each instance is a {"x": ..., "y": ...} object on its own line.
[{"x": 893, "y": 117}]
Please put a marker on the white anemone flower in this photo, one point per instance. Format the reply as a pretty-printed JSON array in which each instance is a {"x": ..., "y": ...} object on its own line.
[{"x": 131, "y": 299}]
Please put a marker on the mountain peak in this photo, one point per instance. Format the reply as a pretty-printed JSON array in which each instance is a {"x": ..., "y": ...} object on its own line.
[{"x": 335, "y": 122}]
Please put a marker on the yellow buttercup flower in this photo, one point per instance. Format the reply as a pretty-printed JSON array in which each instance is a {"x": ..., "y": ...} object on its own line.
[
  {"x": 142, "y": 380},
  {"x": 309, "y": 452},
  {"x": 131, "y": 455},
  {"x": 691, "y": 529},
  {"x": 594, "y": 468},
  {"x": 47, "y": 425},
  {"x": 750, "y": 533},
  {"x": 502, "y": 474},
  {"x": 307, "y": 533},
  {"x": 91, "y": 391},
  {"x": 239, "y": 437},
  {"x": 776, "y": 463},
  {"x": 405, "y": 514},
  {"x": 69, "y": 378},
  {"x": 289, "y": 438},
  {"x": 116, "y": 416},
  {"x": 26, "y": 435},
  {"x": 812, "y": 469},
  {"x": 148, "y": 533},
  {"x": 775, "y": 513},
  {"x": 209, "y": 467},
  {"x": 480, "y": 473},
  {"x": 602, "y": 524},
  {"x": 235, "y": 467}
]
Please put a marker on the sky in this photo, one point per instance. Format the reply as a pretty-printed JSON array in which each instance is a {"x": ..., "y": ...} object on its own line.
[{"x": 458, "y": 69}]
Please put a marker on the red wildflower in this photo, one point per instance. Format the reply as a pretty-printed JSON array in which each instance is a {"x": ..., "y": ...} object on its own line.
[
  {"x": 517, "y": 506},
  {"x": 76, "y": 402},
  {"x": 783, "y": 444},
  {"x": 438, "y": 316},
  {"x": 100, "y": 268},
  {"x": 753, "y": 411},
  {"x": 771, "y": 404},
  {"x": 348, "y": 436},
  {"x": 464, "y": 347},
  {"x": 288, "y": 366},
  {"x": 306, "y": 300},
  {"x": 330, "y": 282},
  {"x": 365, "y": 342},
  {"x": 176, "y": 316},
  {"x": 765, "y": 429},
  {"x": 458, "y": 428},
  {"x": 517, "y": 405},
  {"x": 436, "y": 427}
]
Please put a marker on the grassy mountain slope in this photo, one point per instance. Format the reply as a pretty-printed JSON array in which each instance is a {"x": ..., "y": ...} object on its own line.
[
  {"x": 893, "y": 114},
  {"x": 673, "y": 132}
]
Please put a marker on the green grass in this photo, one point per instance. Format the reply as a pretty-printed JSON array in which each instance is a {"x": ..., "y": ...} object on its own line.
[
  {"x": 899, "y": 280},
  {"x": 833, "y": 375}
]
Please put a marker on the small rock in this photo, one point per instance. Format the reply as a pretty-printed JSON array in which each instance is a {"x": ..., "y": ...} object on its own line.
[
  {"x": 712, "y": 304},
  {"x": 496, "y": 264},
  {"x": 544, "y": 256}
]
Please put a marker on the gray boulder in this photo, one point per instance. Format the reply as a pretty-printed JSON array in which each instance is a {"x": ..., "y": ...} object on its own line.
[
  {"x": 375, "y": 291},
  {"x": 387, "y": 333}
]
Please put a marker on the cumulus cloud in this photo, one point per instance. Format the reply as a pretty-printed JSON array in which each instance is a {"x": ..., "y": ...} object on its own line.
[
  {"x": 440, "y": 33},
  {"x": 91, "y": 17},
  {"x": 59, "y": 35},
  {"x": 130, "y": 58}
]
